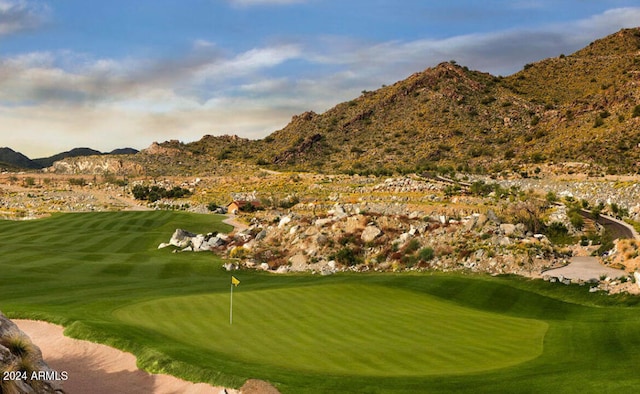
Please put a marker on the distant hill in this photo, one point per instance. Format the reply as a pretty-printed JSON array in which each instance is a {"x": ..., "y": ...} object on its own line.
[
  {"x": 123, "y": 151},
  {"x": 13, "y": 159},
  {"x": 48, "y": 161}
]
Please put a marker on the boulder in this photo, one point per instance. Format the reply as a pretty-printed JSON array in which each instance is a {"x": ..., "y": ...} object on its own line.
[
  {"x": 338, "y": 211},
  {"x": 215, "y": 242},
  {"x": 198, "y": 243},
  {"x": 284, "y": 221},
  {"x": 355, "y": 223},
  {"x": 493, "y": 217},
  {"x": 370, "y": 233},
  {"x": 323, "y": 222},
  {"x": 508, "y": 229},
  {"x": 261, "y": 235},
  {"x": 481, "y": 221},
  {"x": 181, "y": 238},
  {"x": 31, "y": 355},
  {"x": 322, "y": 239},
  {"x": 298, "y": 261}
]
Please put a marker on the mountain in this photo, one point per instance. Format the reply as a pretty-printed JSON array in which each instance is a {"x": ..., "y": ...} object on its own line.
[
  {"x": 12, "y": 159},
  {"x": 123, "y": 151},
  {"x": 583, "y": 107},
  {"x": 48, "y": 161}
]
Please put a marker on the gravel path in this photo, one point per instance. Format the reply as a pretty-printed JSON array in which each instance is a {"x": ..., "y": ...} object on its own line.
[{"x": 585, "y": 268}]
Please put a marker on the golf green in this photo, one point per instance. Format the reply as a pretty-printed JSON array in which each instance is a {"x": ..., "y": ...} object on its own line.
[{"x": 344, "y": 329}]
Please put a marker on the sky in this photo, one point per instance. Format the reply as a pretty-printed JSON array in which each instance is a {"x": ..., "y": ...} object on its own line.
[{"x": 126, "y": 73}]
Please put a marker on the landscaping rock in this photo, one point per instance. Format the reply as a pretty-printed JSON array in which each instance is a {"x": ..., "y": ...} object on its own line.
[
  {"x": 181, "y": 238},
  {"x": 508, "y": 229},
  {"x": 370, "y": 233}
]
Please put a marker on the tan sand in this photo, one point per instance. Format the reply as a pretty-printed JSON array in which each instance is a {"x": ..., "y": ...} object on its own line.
[{"x": 99, "y": 369}]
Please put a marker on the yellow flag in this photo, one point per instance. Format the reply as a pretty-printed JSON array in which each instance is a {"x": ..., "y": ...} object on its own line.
[{"x": 235, "y": 281}]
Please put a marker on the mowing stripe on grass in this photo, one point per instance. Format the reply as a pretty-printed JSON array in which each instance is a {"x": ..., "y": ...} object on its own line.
[{"x": 344, "y": 330}]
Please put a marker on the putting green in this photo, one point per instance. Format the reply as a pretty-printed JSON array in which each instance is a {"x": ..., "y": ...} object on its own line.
[{"x": 343, "y": 329}]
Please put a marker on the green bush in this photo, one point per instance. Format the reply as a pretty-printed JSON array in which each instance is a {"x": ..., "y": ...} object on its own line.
[
  {"x": 155, "y": 193},
  {"x": 347, "y": 256},
  {"x": 426, "y": 254},
  {"x": 576, "y": 220},
  {"x": 412, "y": 246},
  {"x": 558, "y": 234}
]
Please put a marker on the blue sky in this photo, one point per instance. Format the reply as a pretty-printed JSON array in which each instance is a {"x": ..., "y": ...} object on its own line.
[{"x": 111, "y": 74}]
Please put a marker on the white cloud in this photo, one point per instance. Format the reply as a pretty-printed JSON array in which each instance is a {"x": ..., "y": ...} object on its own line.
[
  {"x": 248, "y": 62},
  {"x": 18, "y": 15},
  {"x": 502, "y": 52}
]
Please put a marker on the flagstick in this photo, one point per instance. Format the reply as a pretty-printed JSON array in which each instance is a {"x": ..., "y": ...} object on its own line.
[{"x": 231, "y": 307}]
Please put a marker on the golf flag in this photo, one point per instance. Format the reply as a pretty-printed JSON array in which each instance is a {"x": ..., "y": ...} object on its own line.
[{"x": 235, "y": 281}]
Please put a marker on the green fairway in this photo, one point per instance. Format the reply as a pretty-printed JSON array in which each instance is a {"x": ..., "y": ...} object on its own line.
[{"x": 102, "y": 276}]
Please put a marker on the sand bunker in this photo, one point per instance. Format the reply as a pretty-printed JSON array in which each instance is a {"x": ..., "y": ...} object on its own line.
[{"x": 99, "y": 369}]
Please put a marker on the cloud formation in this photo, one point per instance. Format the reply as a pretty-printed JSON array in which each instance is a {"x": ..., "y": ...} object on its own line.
[{"x": 18, "y": 15}]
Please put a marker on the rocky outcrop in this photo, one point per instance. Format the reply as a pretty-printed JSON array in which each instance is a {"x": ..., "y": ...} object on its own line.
[
  {"x": 187, "y": 241},
  {"x": 21, "y": 365},
  {"x": 98, "y": 165}
]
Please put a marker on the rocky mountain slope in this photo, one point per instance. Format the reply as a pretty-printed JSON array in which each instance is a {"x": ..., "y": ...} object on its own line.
[{"x": 581, "y": 107}]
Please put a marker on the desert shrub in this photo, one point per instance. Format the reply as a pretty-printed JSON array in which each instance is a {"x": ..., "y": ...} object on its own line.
[
  {"x": 346, "y": 256},
  {"x": 598, "y": 122},
  {"x": 289, "y": 202},
  {"x": 606, "y": 242},
  {"x": 77, "y": 181},
  {"x": 155, "y": 193},
  {"x": 576, "y": 220},
  {"x": 410, "y": 260},
  {"x": 426, "y": 254},
  {"x": 18, "y": 345},
  {"x": 558, "y": 234},
  {"x": 412, "y": 246},
  {"x": 238, "y": 252}
]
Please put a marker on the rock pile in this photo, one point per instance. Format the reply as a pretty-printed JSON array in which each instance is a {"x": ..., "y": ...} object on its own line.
[
  {"x": 187, "y": 241},
  {"x": 349, "y": 239}
]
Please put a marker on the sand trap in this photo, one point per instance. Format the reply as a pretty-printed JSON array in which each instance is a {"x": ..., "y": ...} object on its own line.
[
  {"x": 99, "y": 369},
  {"x": 585, "y": 268}
]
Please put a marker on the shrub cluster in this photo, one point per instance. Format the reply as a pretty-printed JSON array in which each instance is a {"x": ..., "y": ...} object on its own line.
[{"x": 155, "y": 193}]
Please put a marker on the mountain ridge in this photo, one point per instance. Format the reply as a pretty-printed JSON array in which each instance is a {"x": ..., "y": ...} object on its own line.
[
  {"x": 12, "y": 159},
  {"x": 583, "y": 107}
]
